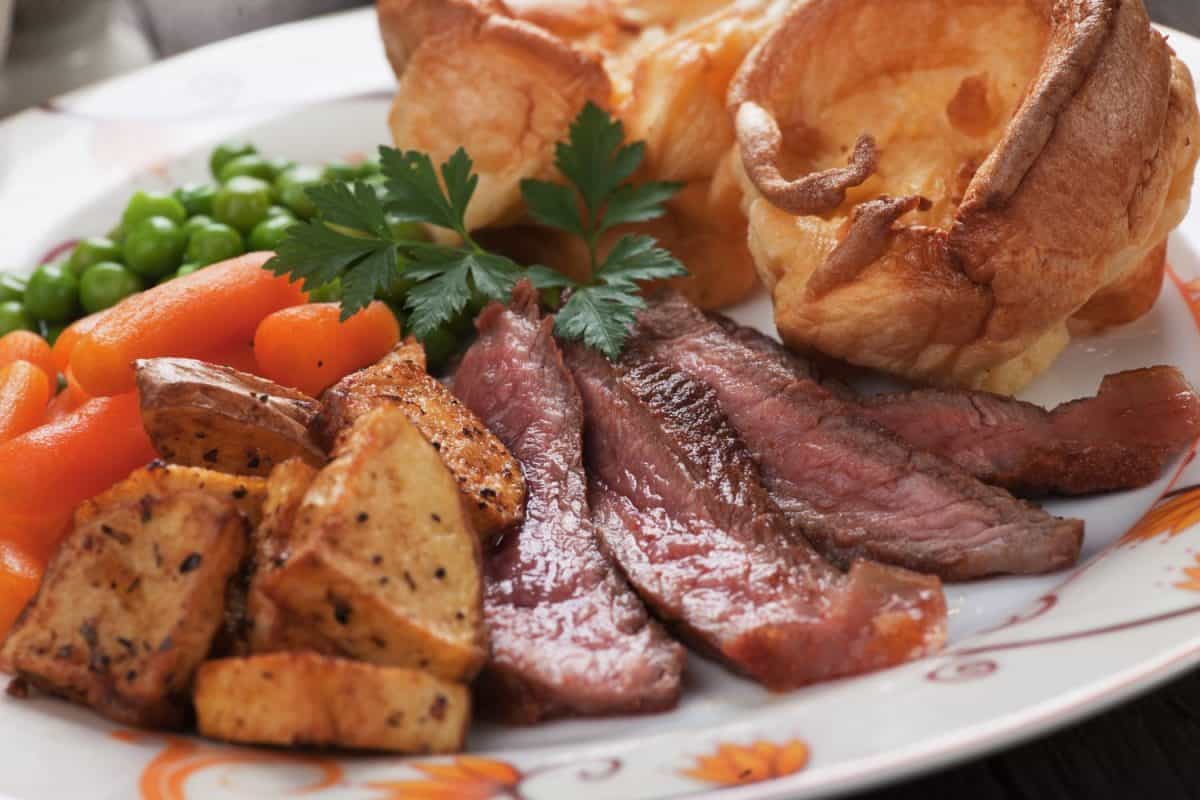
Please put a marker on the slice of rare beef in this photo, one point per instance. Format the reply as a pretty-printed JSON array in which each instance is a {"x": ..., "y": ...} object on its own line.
[
  {"x": 679, "y": 505},
  {"x": 1122, "y": 438},
  {"x": 568, "y": 635},
  {"x": 855, "y": 489}
]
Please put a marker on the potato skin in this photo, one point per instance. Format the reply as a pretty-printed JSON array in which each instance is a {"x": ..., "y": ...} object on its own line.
[
  {"x": 314, "y": 700},
  {"x": 132, "y": 601},
  {"x": 382, "y": 560},
  {"x": 206, "y": 415},
  {"x": 489, "y": 478}
]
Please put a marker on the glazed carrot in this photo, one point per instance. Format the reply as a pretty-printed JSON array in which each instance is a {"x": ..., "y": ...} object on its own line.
[
  {"x": 38, "y": 536},
  {"x": 51, "y": 469},
  {"x": 205, "y": 312},
  {"x": 74, "y": 390},
  {"x": 65, "y": 344},
  {"x": 24, "y": 394},
  {"x": 20, "y": 574},
  {"x": 27, "y": 346},
  {"x": 240, "y": 357},
  {"x": 62, "y": 404},
  {"x": 307, "y": 348}
]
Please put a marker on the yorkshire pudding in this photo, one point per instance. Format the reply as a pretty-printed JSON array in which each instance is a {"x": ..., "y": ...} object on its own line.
[
  {"x": 943, "y": 189},
  {"x": 504, "y": 80}
]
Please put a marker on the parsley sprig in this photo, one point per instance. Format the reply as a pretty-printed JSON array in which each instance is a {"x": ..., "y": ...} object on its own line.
[{"x": 354, "y": 238}]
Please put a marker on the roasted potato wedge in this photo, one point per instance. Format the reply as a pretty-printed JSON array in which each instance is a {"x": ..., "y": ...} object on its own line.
[
  {"x": 381, "y": 559},
  {"x": 158, "y": 480},
  {"x": 263, "y": 627},
  {"x": 205, "y": 415},
  {"x": 489, "y": 478},
  {"x": 319, "y": 701},
  {"x": 132, "y": 601}
]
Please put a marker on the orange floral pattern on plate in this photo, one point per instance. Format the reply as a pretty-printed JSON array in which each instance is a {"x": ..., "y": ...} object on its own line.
[
  {"x": 464, "y": 778},
  {"x": 165, "y": 777},
  {"x": 1191, "y": 578},
  {"x": 1169, "y": 518},
  {"x": 737, "y": 765}
]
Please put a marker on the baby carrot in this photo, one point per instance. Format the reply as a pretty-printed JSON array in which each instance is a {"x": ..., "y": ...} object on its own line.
[
  {"x": 20, "y": 574},
  {"x": 308, "y": 348},
  {"x": 53, "y": 468},
  {"x": 37, "y": 536},
  {"x": 64, "y": 345},
  {"x": 76, "y": 392},
  {"x": 205, "y": 312},
  {"x": 240, "y": 357},
  {"x": 27, "y": 346},
  {"x": 24, "y": 393},
  {"x": 62, "y": 404}
]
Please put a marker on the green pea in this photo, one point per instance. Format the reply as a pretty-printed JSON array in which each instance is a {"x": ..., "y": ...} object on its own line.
[
  {"x": 440, "y": 346},
  {"x": 154, "y": 247},
  {"x": 268, "y": 234},
  {"x": 50, "y": 331},
  {"x": 339, "y": 171},
  {"x": 14, "y": 317},
  {"x": 152, "y": 204},
  {"x": 91, "y": 251},
  {"x": 186, "y": 269},
  {"x": 397, "y": 289},
  {"x": 117, "y": 233},
  {"x": 407, "y": 231},
  {"x": 399, "y": 313},
  {"x": 213, "y": 243},
  {"x": 196, "y": 223},
  {"x": 12, "y": 287},
  {"x": 329, "y": 293},
  {"x": 242, "y": 202},
  {"x": 106, "y": 284},
  {"x": 197, "y": 198},
  {"x": 281, "y": 164},
  {"x": 370, "y": 167},
  {"x": 292, "y": 187},
  {"x": 53, "y": 293},
  {"x": 250, "y": 164},
  {"x": 224, "y": 153},
  {"x": 280, "y": 211}
]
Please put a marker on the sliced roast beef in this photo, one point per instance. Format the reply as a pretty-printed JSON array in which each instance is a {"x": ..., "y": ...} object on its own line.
[
  {"x": 854, "y": 488},
  {"x": 1122, "y": 438},
  {"x": 568, "y": 635},
  {"x": 680, "y": 506}
]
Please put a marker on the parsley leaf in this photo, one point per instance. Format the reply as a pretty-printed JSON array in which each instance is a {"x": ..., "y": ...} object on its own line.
[
  {"x": 447, "y": 279},
  {"x": 414, "y": 192},
  {"x": 351, "y": 205},
  {"x": 637, "y": 258},
  {"x": 317, "y": 254},
  {"x": 366, "y": 240},
  {"x": 631, "y": 203},
  {"x": 599, "y": 316},
  {"x": 554, "y": 205}
]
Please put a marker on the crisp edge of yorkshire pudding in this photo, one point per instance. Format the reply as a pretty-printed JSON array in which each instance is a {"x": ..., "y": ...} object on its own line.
[
  {"x": 405, "y": 24},
  {"x": 1020, "y": 223},
  {"x": 553, "y": 78}
]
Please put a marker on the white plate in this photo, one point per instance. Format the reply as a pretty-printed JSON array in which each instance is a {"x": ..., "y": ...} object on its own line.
[{"x": 1025, "y": 654}]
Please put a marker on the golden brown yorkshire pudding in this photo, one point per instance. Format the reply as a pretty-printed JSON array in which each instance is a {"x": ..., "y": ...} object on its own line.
[
  {"x": 473, "y": 76},
  {"x": 943, "y": 188},
  {"x": 504, "y": 80}
]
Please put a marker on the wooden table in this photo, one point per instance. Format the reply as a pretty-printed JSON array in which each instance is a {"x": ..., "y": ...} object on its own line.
[{"x": 1148, "y": 749}]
